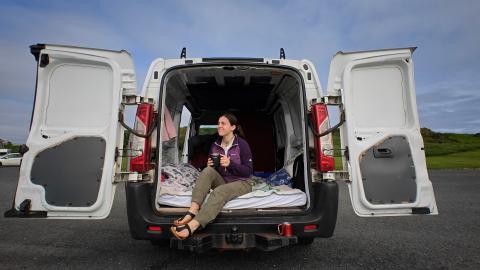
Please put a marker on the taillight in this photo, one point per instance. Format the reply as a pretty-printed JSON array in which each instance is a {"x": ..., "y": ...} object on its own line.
[
  {"x": 156, "y": 229},
  {"x": 141, "y": 147},
  {"x": 323, "y": 145},
  {"x": 310, "y": 227}
]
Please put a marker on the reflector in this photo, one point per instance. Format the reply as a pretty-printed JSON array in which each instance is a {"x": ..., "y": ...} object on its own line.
[
  {"x": 154, "y": 228},
  {"x": 310, "y": 227}
]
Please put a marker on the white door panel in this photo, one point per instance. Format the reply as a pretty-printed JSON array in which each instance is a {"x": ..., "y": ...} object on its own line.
[
  {"x": 386, "y": 159},
  {"x": 69, "y": 168}
]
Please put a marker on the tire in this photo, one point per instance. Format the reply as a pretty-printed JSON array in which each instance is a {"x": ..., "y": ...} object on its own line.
[
  {"x": 1, "y": 164},
  {"x": 305, "y": 240}
]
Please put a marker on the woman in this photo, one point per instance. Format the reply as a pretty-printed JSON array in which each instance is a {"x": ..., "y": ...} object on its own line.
[{"x": 228, "y": 182}]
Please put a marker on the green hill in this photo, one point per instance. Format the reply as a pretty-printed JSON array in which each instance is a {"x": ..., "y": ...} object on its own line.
[{"x": 450, "y": 150}]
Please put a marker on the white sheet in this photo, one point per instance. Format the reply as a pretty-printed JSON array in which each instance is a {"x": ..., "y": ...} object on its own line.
[{"x": 263, "y": 196}]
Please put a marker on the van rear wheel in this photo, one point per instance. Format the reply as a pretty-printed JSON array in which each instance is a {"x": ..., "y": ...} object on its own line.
[{"x": 305, "y": 240}]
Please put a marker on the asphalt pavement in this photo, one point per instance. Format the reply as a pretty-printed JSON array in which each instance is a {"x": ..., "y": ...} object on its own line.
[{"x": 450, "y": 240}]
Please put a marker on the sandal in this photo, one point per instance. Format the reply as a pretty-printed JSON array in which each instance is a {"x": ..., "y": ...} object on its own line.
[
  {"x": 176, "y": 229},
  {"x": 180, "y": 221}
]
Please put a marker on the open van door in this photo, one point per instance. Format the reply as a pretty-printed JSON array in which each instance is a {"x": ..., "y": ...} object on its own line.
[
  {"x": 71, "y": 161},
  {"x": 384, "y": 149}
]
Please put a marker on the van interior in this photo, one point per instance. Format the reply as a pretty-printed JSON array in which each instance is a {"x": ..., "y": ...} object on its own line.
[{"x": 269, "y": 104}]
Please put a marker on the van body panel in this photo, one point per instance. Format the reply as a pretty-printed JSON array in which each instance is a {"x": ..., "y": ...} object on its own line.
[
  {"x": 69, "y": 169},
  {"x": 385, "y": 157}
]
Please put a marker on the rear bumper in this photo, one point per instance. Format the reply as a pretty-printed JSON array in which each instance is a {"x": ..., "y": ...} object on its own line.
[{"x": 257, "y": 231}]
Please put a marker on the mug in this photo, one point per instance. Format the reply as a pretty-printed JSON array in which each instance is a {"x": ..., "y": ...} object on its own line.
[
  {"x": 216, "y": 160},
  {"x": 285, "y": 229}
]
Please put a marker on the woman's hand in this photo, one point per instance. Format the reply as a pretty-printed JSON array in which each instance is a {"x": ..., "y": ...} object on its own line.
[
  {"x": 224, "y": 161},
  {"x": 210, "y": 162}
]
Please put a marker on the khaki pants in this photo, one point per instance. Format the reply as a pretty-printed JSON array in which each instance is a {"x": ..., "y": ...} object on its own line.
[{"x": 222, "y": 193}]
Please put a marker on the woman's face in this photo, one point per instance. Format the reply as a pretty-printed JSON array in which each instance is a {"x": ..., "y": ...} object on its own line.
[{"x": 224, "y": 126}]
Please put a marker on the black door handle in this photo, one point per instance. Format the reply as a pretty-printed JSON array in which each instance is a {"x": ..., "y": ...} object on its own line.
[{"x": 382, "y": 152}]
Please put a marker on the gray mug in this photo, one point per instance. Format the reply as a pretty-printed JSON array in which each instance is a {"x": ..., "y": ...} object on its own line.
[{"x": 216, "y": 160}]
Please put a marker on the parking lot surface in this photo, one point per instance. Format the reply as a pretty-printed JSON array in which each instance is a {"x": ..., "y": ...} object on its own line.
[{"x": 450, "y": 240}]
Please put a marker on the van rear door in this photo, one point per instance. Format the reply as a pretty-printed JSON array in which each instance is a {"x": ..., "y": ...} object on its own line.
[
  {"x": 71, "y": 161},
  {"x": 385, "y": 156}
]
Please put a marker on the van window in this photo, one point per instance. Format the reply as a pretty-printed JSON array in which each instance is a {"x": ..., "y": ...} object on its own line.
[
  {"x": 182, "y": 132},
  {"x": 207, "y": 129}
]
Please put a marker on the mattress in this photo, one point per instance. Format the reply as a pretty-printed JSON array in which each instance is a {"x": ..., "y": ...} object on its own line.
[{"x": 262, "y": 196}]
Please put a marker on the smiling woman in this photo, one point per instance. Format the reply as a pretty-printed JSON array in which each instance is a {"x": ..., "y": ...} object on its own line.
[{"x": 228, "y": 172}]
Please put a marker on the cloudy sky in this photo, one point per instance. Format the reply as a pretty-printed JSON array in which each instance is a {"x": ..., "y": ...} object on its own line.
[{"x": 447, "y": 34}]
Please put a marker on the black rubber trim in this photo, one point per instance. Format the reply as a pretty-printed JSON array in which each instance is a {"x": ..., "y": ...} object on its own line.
[
  {"x": 421, "y": 211},
  {"x": 24, "y": 211},
  {"x": 35, "y": 50},
  {"x": 13, "y": 213}
]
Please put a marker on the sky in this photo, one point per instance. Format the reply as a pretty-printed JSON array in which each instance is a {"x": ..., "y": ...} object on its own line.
[{"x": 447, "y": 34}]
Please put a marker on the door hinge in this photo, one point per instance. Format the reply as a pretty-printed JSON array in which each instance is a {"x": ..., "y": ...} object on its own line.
[
  {"x": 328, "y": 100},
  {"x": 44, "y": 60},
  {"x": 330, "y": 176},
  {"x": 136, "y": 100},
  {"x": 331, "y": 100},
  {"x": 131, "y": 177}
]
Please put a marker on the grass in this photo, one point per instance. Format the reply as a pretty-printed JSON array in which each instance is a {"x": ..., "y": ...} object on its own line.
[
  {"x": 451, "y": 151},
  {"x": 450, "y": 144},
  {"x": 467, "y": 159}
]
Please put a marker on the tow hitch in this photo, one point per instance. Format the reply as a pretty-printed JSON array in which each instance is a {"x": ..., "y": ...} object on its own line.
[
  {"x": 235, "y": 237},
  {"x": 233, "y": 241}
]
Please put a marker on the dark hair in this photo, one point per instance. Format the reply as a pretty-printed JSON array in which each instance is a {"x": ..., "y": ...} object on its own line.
[{"x": 234, "y": 121}]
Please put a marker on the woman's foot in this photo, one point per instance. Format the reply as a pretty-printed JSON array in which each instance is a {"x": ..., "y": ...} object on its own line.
[
  {"x": 192, "y": 211},
  {"x": 183, "y": 232},
  {"x": 185, "y": 219}
]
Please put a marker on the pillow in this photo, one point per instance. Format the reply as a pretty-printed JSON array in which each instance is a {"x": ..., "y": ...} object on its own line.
[
  {"x": 280, "y": 177},
  {"x": 182, "y": 174}
]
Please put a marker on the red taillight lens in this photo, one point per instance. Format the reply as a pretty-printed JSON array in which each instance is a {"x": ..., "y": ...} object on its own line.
[
  {"x": 310, "y": 227},
  {"x": 154, "y": 229},
  {"x": 141, "y": 147},
  {"x": 323, "y": 145}
]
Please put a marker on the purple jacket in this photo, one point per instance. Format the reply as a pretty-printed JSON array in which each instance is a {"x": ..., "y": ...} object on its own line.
[{"x": 240, "y": 167}]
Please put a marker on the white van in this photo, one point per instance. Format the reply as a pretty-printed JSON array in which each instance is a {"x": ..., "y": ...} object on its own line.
[{"x": 75, "y": 146}]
